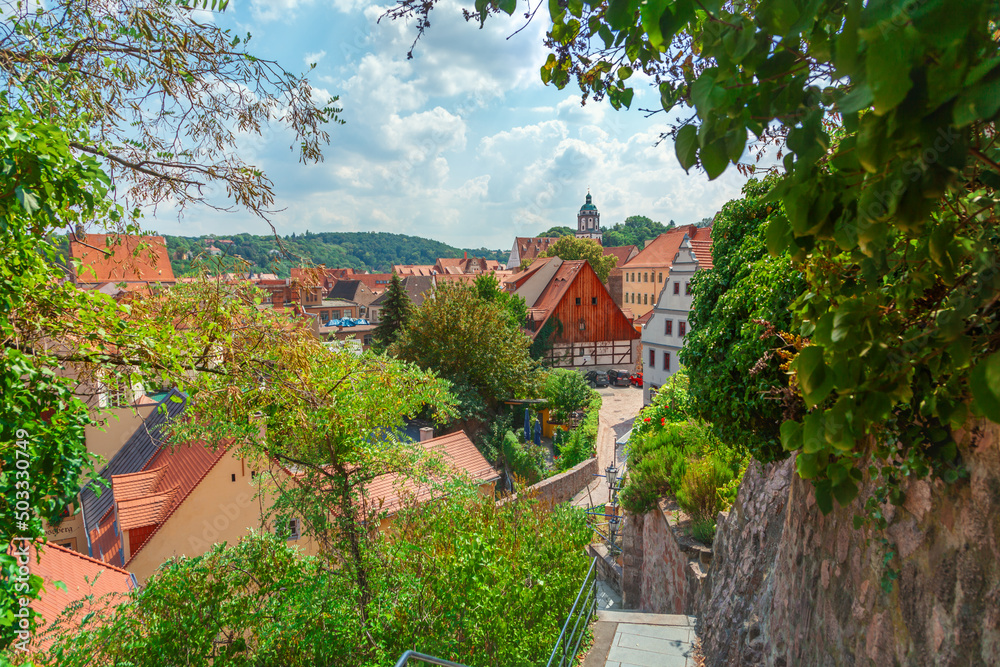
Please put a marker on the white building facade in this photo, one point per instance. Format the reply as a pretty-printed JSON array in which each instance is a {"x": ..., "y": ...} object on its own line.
[{"x": 663, "y": 335}]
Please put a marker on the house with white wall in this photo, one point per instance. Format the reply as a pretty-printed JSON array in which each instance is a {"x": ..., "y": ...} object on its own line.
[{"x": 663, "y": 335}]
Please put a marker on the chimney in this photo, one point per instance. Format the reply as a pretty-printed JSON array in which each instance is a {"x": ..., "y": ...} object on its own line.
[
  {"x": 426, "y": 433},
  {"x": 465, "y": 255}
]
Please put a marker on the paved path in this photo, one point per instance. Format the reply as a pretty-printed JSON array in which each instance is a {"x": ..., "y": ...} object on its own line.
[
  {"x": 636, "y": 639},
  {"x": 619, "y": 406}
]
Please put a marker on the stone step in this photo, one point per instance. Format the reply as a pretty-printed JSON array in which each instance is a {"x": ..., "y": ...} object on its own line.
[
  {"x": 640, "y": 639},
  {"x": 646, "y": 618}
]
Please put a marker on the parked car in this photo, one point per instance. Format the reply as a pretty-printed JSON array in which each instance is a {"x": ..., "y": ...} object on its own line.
[
  {"x": 636, "y": 379},
  {"x": 619, "y": 378},
  {"x": 597, "y": 378}
]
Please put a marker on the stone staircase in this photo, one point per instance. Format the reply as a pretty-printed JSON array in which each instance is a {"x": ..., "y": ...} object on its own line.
[{"x": 639, "y": 639}]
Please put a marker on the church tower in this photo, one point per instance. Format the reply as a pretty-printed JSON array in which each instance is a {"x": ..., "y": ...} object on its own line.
[{"x": 588, "y": 221}]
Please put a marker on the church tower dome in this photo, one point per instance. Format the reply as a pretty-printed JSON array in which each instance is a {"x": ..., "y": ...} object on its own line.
[{"x": 588, "y": 220}]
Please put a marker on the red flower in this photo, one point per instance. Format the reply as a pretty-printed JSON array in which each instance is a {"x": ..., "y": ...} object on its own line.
[{"x": 646, "y": 419}]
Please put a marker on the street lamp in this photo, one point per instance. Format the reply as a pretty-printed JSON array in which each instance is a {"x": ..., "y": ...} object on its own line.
[{"x": 612, "y": 473}]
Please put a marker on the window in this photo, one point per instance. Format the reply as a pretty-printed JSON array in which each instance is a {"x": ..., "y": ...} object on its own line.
[
  {"x": 645, "y": 299},
  {"x": 325, "y": 316},
  {"x": 335, "y": 315},
  {"x": 677, "y": 288},
  {"x": 682, "y": 328},
  {"x": 234, "y": 477},
  {"x": 666, "y": 361},
  {"x": 593, "y": 301},
  {"x": 687, "y": 288},
  {"x": 578, "y": 301},
  {"x": 668, "y": 328},
  {"x": 294, "y": 529},
  {"x": 645, "y": 277},
  {"x": 661, "y": 276},
  {"x": 652, "y": 358},
  {"x": 367, "y": 340}
]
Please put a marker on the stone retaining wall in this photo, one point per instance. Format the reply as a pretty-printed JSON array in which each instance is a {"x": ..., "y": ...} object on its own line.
[
  {"x": 562, "y": 487},
  {"x": 662, "y": 572}
]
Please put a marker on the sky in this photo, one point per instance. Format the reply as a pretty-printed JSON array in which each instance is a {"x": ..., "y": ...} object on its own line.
[{"x": 462, "y": 144}]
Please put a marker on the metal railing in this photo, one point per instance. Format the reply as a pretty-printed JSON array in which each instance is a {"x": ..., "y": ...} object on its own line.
[
  {"x": 579, "y": 616},
  {"x": 414, "y": 655}
]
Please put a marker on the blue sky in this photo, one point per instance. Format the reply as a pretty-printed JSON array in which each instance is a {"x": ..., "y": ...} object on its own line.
[{"x": 462, "y": 144}]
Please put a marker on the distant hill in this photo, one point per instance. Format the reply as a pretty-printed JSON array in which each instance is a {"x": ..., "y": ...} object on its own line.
[{"x": 363, "y": 251}]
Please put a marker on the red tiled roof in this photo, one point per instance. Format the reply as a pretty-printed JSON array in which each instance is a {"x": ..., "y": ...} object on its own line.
[
  {"x": 661, "y": 251},
  {"x": 145, "y": 510},
  {"x": 622, "y": 252},
  {"x": 114, "y": 258},
  {"x": 645, "y": 318},
  {"x": 457, "y": 452},
  {"x": 702, "y": 248},
  {"x": 376, "y": 282},
  {"x": 136, "y": 484},
  {"x": 414, "y": 270},
  {"x": 531, "y": 247},
  {"x": 82, "y": 576},
  {"x": 152, "y": 495},
  {"x": 553, "y": 293}
]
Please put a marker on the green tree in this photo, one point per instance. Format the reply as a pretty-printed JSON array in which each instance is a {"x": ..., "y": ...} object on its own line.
[
  {"x": 445, "y": 575},
  {"x": 558, "y": 231},
  {"x": 139, "y": 94},
  {"x": 395, "y": 314},
  {"x": 636, "y": 230},
  {"x": 472, "y": 342},
  {"x": 741, "y": 309},
  {"x": 488, "y": 288},
  {"x": 571, "y": 247},
  {"x": 566, "y": 392}
]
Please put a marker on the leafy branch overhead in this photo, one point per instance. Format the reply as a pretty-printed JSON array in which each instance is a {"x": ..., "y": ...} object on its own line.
[{"x": 161, "y": 95}]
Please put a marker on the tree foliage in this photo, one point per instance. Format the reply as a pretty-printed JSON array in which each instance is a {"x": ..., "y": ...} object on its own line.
[
  {"x": 376, "y": 252},
  {"x": 566, "y": 391},
  {"x": 571, "y": 247},
  {"x": 558, "y": 231},
  {"x": 458, "y": 578},
  {"x": 163, "y": 95},
  {"x": 636, "y": 230},
  {"x": 488, "y": 288},
  {"x": 105, "y": 97},
  {"x": 473, "y": 343},
  {"x": 395, "y": 313},
  {"x": 734, "y": 354}
]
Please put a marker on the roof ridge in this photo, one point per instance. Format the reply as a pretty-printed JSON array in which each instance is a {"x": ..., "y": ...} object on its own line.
[{"x": 53, "y": 545}]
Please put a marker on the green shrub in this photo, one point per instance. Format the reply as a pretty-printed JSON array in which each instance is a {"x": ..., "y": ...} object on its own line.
[
  {"x": 581, "y": 443},
  {"x": 566, "y": 392},
  {"x": 525, "y": 460},
  {"x": 660, "y": 458}
]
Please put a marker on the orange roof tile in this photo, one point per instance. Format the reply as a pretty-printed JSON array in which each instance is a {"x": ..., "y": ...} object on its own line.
[
  {"x": 136, "y": 484},
  {"x": 702, "y": 248},
  {"x": 622, "y": 252},
  {"x": 178, "y": 470},
  {"x": 82, "y": 576},
  {"x": 114, "y": 258},
  {"x": 145, "y": 510},
  {"x": 531, "y": 247},
  {"x": 660, "y": 252},
  {"x": 458, "y": 453}
]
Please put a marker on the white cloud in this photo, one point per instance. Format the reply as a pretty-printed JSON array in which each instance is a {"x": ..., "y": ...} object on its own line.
[{"x": 311, "y": 59}]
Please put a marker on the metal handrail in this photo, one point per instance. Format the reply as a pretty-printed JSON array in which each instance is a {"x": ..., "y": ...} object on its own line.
[
  {"x": 589, "y": 607},
  {"x": 405, "y": 658}
]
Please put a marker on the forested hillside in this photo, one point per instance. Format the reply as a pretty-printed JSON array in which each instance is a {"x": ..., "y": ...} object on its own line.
[{"x": 364, "y": 251}]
